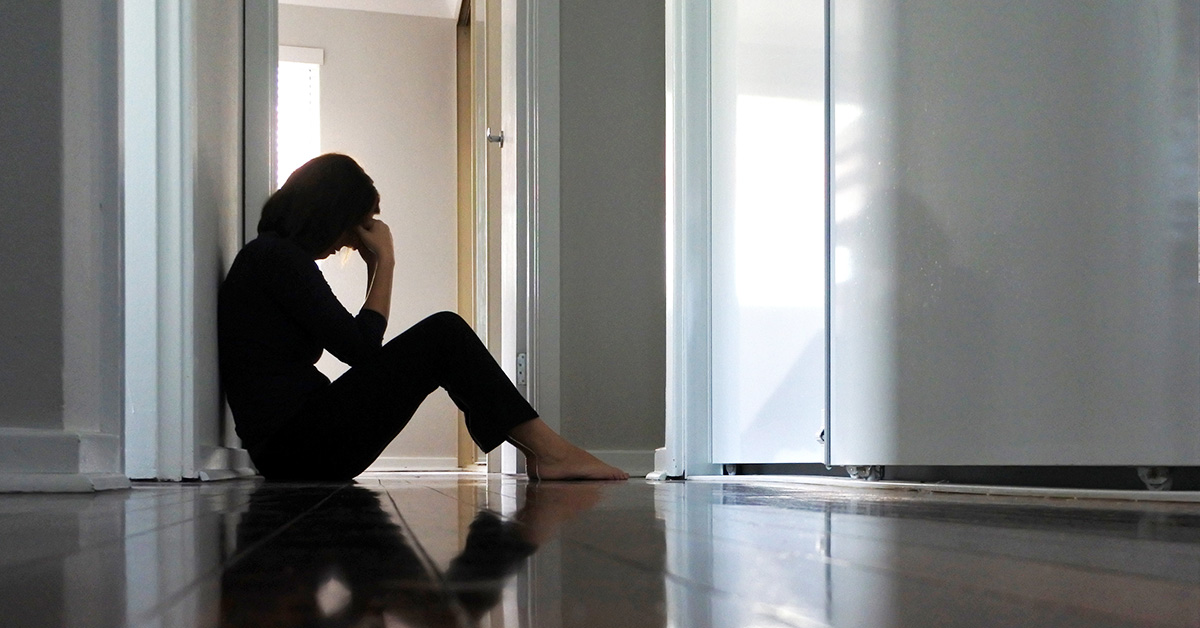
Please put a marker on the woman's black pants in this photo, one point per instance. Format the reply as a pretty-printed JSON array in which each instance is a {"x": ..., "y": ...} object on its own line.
[{"x": 344, "y": 427}]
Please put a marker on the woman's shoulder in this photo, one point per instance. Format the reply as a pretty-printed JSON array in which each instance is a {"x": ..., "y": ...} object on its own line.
[
  {"x": 271, "y": 256},
  {"x": 272, "y": 243},
  {"x": 270, "y": 248}
]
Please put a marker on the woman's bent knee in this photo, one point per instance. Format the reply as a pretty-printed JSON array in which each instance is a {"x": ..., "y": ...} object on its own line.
[
  {"x": 449, "y": 323},
  {"x": 446, "y": 319}
]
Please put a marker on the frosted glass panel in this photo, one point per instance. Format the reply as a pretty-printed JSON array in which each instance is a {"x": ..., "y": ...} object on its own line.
[{"x": 768, "y": 256}]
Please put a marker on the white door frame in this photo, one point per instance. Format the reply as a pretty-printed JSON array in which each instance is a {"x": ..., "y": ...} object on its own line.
[
  {"x": 535, "y": 95},
  {"x": 159, "y": 155},
  {"x": 159, "y": 160},
  {"x": 539, "y": 192},
  {"x": 535, "y": 106},
  {"x": 688, "y": 448},
  {"x": 530, "y": 210}
]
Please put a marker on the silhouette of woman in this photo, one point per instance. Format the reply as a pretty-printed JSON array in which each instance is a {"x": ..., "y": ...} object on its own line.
[{"x": 276, "y": 314}]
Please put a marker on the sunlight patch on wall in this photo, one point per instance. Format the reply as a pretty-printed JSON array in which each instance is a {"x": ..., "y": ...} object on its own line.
[{"x": 778, "y": 196}]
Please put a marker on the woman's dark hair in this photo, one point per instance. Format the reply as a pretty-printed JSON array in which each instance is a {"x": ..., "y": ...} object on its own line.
[{"x": 320, "y": 201}]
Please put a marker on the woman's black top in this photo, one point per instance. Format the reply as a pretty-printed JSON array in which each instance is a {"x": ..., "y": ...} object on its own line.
[{"x": 275, "y": 314}]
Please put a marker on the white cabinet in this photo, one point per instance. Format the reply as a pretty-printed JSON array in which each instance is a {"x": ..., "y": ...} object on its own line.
[
  {"x": 1010, "y": 233},
  {"x": 768, "y": 230},
  {"x": 1014, "y": 233}
]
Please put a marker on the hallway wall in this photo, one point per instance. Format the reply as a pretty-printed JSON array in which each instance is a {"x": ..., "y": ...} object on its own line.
[
  {"x": 217, "y": 196},
  {"x": 613, "y": 225},
  {"x": 31, "y": 240},
  {"x": 61, "y": 342}
]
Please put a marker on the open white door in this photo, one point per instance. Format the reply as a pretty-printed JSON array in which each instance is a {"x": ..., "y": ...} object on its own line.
[{"x": 521, "y": 175}]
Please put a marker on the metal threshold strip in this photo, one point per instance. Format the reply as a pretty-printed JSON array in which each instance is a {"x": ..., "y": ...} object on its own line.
[{"x": 960, "y": 489}]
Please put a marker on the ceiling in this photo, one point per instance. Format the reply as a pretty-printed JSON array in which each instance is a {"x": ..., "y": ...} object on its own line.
[{"x": 422, "y": 8}]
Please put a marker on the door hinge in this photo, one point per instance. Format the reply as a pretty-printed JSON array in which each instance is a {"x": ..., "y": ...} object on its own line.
[{"x": 521, "y": 359}]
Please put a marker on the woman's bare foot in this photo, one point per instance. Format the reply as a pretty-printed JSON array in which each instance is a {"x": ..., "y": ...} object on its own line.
[
  {"x": 550, "y": 457},
  {"x": 572, "y": 464}
]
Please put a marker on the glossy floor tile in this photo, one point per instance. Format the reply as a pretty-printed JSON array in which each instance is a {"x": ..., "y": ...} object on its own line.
[{"x": 497, "y": 552}]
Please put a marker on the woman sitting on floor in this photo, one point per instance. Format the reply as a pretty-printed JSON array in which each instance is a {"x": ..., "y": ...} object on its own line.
[{"x": 277, "y": 313}]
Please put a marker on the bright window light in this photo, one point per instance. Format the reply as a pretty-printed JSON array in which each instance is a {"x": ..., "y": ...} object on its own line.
[{"x": 298, "y": 130}]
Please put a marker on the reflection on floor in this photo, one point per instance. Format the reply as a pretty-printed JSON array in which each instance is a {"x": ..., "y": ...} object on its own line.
[{"x": 475, "y": 550}]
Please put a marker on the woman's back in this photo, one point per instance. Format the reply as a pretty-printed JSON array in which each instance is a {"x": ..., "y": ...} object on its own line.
[{"x": 275, "y": 315}]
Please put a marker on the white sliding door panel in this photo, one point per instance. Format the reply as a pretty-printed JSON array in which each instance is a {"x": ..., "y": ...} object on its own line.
[
  {"x": 768, "y": 230},
  {"x": 1015, "y": 233}
]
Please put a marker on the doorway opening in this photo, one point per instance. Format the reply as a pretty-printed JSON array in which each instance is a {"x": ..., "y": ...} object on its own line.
[{"x": 393, "y": 91}]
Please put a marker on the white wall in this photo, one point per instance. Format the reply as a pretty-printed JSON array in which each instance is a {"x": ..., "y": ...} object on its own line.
[
  {"x": 388, "y": 101},
  {"x": 91, "y": 219},
  {"x": 31, "y": 222},
  {"x": 60, "y": 218},
  {"x": 218, "y": 200},
  {"x": 613, "y": 220}
]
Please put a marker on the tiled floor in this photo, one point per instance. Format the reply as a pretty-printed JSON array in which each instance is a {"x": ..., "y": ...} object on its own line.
[{"x": 475, "y": 550}]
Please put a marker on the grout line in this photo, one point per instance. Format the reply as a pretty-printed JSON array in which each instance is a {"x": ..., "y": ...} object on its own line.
[
  {"x": 461, "y": 616},
  {"x": 185, "y": 590}
]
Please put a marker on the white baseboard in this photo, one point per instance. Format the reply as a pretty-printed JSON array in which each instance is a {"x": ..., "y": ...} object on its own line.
[
  {"x": 413, "y": 463},
  {"x": 226, "y": 463},
  {"x": 216, "y": 475},
  {"x": 61, "y": 482},
  {"x": 59, "y": 461},
  {"x": 634, "y": 462},
  {"x": 24, "y": 451}
]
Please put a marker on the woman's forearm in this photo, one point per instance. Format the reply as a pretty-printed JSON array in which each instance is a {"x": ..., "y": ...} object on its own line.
[
  {"x": 378, "y": 252},
  {"x": 379, "y": 285}
]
